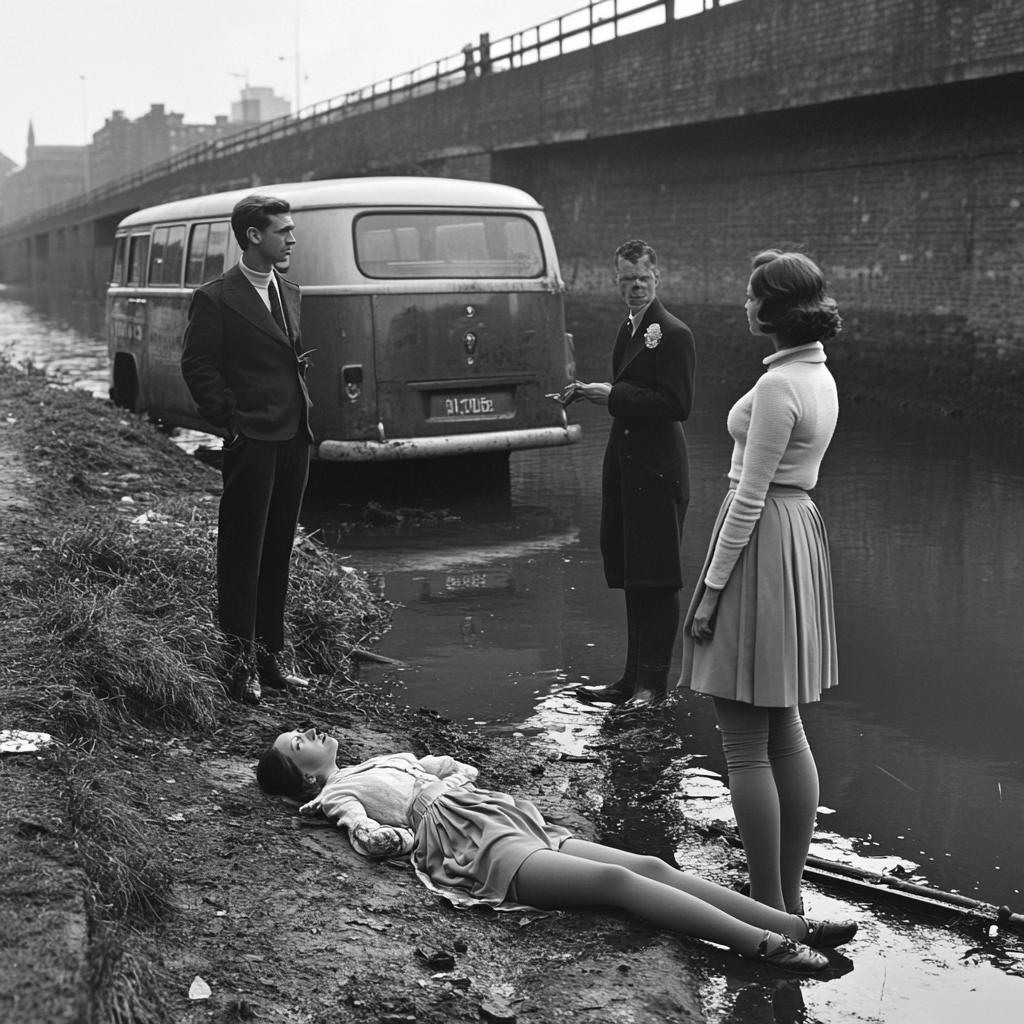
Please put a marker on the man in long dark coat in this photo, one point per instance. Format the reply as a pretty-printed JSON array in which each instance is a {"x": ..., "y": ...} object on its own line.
[
  {"x": 645, "y": 485},
  {"x": 244, "y": 365}
]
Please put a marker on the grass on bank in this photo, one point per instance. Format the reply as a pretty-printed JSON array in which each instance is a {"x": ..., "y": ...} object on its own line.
[{"x": 108, "y": 628}]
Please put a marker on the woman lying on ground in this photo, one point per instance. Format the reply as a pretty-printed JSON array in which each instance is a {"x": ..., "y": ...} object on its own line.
[{"x": 495, "y": 849}]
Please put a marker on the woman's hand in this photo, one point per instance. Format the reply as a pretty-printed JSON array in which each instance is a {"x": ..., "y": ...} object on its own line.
[
  {"x": 702, "y": 629},
  {"x": 596, "y": 393}
]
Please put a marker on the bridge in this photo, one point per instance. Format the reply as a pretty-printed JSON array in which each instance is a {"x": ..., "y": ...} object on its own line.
[{"x": 883, "y": 136}]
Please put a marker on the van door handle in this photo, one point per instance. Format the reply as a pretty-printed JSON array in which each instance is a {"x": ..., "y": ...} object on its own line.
[{"x": 352, "y": 379}]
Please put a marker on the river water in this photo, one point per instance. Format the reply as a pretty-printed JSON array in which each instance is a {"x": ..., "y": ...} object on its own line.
[{"x": 502, "y": 606}]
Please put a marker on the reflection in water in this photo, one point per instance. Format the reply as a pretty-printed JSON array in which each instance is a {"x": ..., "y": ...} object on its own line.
[{"x": 503, "y": 607}]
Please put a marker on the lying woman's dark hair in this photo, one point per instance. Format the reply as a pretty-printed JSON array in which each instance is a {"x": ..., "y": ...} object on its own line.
[
  {"x": 278, "y": 776},
  {"x": 794, "y": 305}
]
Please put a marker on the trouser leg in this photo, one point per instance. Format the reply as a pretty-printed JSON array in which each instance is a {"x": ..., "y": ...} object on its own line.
[
  {"x": 623, "y": 687},
  {"x": 657, "y": 611},
  {"x": 290, "y": 476}
]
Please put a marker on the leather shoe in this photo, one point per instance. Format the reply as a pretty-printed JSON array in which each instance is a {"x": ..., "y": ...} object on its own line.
[
  {"x": 645, "y": 697},
  {"x": 828, "y": 934},
  {"x": 246, "y": 688},
  {"x": 270, "y": 675},
  {"x": 611, "y": 693},
  {"x": 791, "y": 956}
]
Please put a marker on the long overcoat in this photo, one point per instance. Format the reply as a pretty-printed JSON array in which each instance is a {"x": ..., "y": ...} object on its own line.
[{"x": 645, "y": 480}]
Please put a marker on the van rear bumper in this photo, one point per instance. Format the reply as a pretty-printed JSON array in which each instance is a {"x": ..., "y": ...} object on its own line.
[{"x": 454, "y": 444}]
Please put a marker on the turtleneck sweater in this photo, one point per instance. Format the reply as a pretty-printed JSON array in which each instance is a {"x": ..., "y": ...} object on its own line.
[
  {"x": 261, "y": 282},
  {"x": 781, "y": 429}
]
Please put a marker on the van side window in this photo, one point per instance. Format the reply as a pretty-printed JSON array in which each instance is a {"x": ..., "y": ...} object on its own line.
[
  {"x": 138, "y": 251},
  {"x": 167, "y": 256},
  {"x": 207, "y": 249},
  {"x": 120, "y": 251},
  {"x": 475, "y": 245}
]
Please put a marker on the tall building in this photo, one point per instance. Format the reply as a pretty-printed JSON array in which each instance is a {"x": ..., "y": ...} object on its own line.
[
  {"x": 122, "y": 147},
  {"x": 51, "y": 175},
  {"x": 258, "y": 103}
]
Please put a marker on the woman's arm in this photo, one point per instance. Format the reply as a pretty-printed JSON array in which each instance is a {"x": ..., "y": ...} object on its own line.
[
  {"x": 367, "y": 836},
  {"x": 444, "y": 766},
  {"x": 772, "y": 418}
]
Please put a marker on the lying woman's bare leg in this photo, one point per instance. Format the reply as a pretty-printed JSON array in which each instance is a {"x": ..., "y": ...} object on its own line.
[{"x": 554, "y": 881}]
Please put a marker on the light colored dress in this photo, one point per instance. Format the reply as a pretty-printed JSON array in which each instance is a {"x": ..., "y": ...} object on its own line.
[
  {"x": 774, "y": 642},
  {"x": 466, "y": 843}
]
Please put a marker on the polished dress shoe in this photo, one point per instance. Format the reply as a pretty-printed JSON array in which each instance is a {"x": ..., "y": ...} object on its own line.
[
  {"x": 611, "y": 693},
  {"x": 646, "y": 696},
  {"x": 271, "y": 676},
  {"x": 790, "y": 956},
  {"x": 828, "y": 934}
]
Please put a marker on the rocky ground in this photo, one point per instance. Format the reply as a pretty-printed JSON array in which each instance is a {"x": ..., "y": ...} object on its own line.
[{"x": 139, "y": 854}]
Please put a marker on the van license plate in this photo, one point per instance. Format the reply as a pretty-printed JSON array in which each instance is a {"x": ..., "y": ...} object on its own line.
[{"x": 483, "y": 405}]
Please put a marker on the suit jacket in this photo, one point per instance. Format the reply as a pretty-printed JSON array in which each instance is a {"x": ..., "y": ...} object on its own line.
[{"x": 243, "y": 371}]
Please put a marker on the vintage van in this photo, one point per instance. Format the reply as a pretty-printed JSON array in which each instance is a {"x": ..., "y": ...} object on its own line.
[{"x": 432, "y": 308}]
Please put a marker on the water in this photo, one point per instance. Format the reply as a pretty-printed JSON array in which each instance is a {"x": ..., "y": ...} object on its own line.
[{"x": 502, "y": 604}]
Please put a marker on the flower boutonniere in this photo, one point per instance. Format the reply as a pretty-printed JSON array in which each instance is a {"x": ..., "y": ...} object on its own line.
[{"x": 652, "y": 336}]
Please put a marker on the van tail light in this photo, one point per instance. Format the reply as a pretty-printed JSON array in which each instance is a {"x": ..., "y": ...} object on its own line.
[
  {"x": 352, "y": 380},
  {"x": 570, "y": 358}
]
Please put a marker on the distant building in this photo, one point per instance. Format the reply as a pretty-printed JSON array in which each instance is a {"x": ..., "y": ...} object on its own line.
[
  {"x": 51, "y": 175},
  {"x": 122, "y": 147},
  {"x": 257, "y": 104}
]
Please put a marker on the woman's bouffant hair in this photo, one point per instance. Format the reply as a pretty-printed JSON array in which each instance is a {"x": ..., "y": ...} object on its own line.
[
  {"x": 794, "y": 306},
  {"x": 278, "y": 776}
]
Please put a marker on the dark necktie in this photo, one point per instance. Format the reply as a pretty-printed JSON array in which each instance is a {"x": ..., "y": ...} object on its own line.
[{"x": 275, "y": 308}]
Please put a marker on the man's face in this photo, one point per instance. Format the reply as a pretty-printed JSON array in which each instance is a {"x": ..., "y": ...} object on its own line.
[
  {"x": 637, "y": 282},
  {"x": 275, "y": 241}
]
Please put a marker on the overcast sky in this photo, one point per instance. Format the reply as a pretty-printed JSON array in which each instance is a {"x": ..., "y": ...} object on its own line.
[{"x": 69, "y": 63}]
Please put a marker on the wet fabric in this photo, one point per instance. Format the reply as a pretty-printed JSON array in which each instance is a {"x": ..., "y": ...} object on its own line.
[
  {"x": 471, "y": 842},
  {"x": 774, "y": 640}
]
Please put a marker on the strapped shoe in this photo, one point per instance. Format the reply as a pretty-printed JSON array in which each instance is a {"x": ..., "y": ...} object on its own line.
[
  {"x": 791, "y": 956},
  {"x": 828, "y": 934},
  {"x": 245, "y": 688}
]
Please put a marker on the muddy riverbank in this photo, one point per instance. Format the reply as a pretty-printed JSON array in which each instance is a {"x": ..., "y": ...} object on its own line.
[{"x": 139, "y": 853}]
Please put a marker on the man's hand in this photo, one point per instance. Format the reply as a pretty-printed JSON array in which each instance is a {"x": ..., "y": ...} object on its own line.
[
  {"x": 702, "y": 629},
  {"x": 596, "y": 393}
]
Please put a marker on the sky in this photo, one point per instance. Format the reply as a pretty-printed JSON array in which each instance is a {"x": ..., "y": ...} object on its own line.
[{"x": 69, "y": 63}]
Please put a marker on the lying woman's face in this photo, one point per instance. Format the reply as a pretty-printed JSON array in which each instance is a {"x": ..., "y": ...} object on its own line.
[{"x": 311, "y": 752}]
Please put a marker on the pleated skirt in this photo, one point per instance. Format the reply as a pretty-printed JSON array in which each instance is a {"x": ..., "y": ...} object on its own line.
[
  {"x": 774, "y": 642},
  {"x": 471, "y": 842}
]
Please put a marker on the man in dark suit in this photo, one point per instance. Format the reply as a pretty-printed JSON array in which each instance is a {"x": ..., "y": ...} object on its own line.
[
  {"x": 645, "y": 484},
  {"x": 244, "y": 365}
]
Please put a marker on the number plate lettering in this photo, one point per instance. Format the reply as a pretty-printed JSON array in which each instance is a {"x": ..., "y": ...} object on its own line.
[{"x": 475, "y": 406}]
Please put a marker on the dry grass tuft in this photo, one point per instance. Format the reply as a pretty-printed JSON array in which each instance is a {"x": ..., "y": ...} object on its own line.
[{"x": 126, "y": 987}]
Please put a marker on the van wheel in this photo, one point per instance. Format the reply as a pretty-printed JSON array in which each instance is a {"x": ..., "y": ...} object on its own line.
[{"x": 125, "y": 392}]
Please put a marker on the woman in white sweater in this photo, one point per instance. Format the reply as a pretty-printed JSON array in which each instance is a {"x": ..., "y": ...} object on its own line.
[
  {"x": 474, "y": 846},
  {"x": 760, "y": 633}
]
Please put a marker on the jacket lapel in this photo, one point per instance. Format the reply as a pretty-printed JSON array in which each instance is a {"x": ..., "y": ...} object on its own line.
[
  {"x": 636, "y": 344},
  {"x": 240, "y": 295},
  {"x": 290, "y": 300}
]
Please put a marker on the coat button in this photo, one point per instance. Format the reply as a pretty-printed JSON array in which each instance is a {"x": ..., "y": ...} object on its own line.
[{"x": 625, "y": 432}]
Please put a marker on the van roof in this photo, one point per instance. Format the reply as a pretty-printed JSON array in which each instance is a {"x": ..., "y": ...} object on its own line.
[{"x": 382, "y": 191}]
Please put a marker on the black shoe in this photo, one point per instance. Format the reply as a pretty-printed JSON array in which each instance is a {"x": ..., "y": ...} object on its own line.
[
  {"x": 271, "y": 676},
  {"x": 244, "y": 687},
  {"x": 828, "y": 934},
  {"x": 791, "y": 956},
  {"x": 612, "y": 693},
  {"x": 646, "y": 696}
]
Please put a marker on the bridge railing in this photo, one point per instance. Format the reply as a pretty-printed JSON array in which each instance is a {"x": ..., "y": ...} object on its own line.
[{"x": 598, "y": 22}]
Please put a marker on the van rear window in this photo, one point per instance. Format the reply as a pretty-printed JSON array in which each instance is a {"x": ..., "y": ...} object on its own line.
[{"x": 417, "y": 245}]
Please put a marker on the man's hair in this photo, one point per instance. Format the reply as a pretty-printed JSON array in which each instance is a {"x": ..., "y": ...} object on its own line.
[
  {"x": 255, "y": 211},
  {"x": 794, "y": 305},
  {"x": 278, "y": 776},
  {"x": 634, "y": 251}
]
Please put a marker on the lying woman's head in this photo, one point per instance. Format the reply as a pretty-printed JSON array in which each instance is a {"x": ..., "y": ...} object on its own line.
[
  {"x": 793, "y": 305},
  {"x": 297, "y": 763}
]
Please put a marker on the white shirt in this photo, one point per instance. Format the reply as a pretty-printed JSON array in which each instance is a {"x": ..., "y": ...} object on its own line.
[{"x": 635, "y": 318}]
